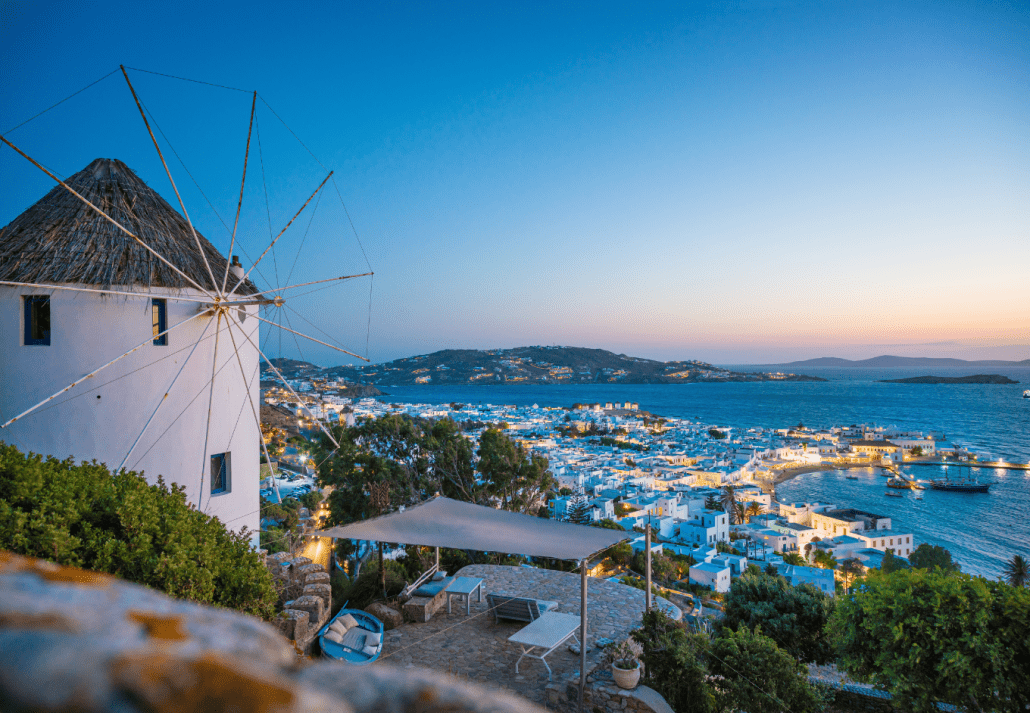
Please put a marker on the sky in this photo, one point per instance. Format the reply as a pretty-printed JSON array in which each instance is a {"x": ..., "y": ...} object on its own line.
[{"x": 737, "y": 182}]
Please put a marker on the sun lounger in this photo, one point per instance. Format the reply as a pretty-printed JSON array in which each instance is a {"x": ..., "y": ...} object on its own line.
[{"x": 518, "y": 608}]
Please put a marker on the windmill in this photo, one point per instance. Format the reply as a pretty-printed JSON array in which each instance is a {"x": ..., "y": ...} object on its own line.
[{"x": 127, "y": 337}]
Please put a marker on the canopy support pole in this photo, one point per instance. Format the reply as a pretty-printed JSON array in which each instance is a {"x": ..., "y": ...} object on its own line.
[
  {"x": 647, "y": 568},
  {"x": 583, "y": 630},
  {"x": 437, "y": 559}
]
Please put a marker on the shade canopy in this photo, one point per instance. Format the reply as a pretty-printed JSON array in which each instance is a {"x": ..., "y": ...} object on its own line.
[{"x": 442, "y": 522}]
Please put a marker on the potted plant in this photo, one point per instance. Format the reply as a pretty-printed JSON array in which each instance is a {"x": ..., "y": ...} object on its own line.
[{"x": 624, "y": 658}]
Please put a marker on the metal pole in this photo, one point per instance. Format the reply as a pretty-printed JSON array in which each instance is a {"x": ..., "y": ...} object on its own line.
[
  {"x": 437, "y": 559},
  {"x": 647, "y": 569},
  {"x": 583, "y": 630}
]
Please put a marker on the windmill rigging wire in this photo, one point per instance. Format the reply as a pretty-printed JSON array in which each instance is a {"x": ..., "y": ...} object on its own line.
[
  {"x": 304, "y": 239},
  {"x": 119, "y": 378},
  {"x": 257, "y": 370},
  {"x": 61, "y": 102},
  {"x": 292, "y": 132},
  {"x": 355, "y": 230},
  {"x": 268, "y": 212},
  {"x": 187, "y": 79},
  {"x": 368, "y": 328},
  {"x": 335, "y": 186},
  {"x": 201, "y": 190},
  {"x": 295, "y": 340},
  {"x": 328, "y": 336},
  {"x": 181, "y": 414}
]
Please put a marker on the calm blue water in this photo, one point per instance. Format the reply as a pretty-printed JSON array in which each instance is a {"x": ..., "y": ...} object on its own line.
[{"x": 982, "y": 531}]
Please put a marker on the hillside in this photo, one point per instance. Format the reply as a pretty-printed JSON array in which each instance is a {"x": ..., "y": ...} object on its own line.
[
  {"x": 975, "y": 379},
  {"x": 888, "y": 361},
  {"x": 541, "y": 365}
]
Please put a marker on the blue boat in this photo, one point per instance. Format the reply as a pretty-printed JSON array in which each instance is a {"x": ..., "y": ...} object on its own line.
[{"x": 350, "y": 649}]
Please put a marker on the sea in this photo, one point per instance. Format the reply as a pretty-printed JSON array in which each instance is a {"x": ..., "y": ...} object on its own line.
[{"x": 982, "y": 531}]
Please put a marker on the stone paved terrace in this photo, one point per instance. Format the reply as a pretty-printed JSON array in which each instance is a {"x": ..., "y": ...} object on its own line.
[{"x": 476, "y": 649}]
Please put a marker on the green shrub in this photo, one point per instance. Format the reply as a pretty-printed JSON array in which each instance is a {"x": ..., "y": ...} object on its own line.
[
  {"x": 367, "y": 588},
  {"x": 794, "y": 617},
  {"x": 83, "y": 516}
]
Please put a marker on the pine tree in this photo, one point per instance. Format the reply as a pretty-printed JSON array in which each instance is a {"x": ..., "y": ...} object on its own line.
[{"x": 579, "y": 509}]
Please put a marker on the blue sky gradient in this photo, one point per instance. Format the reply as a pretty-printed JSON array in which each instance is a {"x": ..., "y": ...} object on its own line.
[{"x": 736, "y": 181}]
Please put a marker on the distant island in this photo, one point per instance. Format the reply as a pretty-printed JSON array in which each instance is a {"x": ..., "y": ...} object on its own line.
[
  {"x": 895, "y": 361},
  {"x": 976, "y": 379},
  {"x": 529, "y": 365}
]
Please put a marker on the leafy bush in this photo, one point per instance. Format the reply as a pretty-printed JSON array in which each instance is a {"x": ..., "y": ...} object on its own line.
[
  {"x": 739, "y": 659},
  {"x": 367, "y": 588},
  {"x": 83, "y": 516},
  {"x": 311, "y": 500},
  {"x": 931, "y": 636},
  {"x": 794, "y": 617},
  {"x": 674, "y": 663},
  {"x": 927, "y": 556}
]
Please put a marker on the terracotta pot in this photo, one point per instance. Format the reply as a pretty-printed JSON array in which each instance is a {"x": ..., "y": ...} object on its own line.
[{"x": 626, "y": 678}]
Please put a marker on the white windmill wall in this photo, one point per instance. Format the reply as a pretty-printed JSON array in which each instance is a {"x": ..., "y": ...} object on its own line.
[{"x": 100, "y": 418}]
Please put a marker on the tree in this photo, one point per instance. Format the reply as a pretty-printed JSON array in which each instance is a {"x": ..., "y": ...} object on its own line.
[
  {"x": 933, "y": 636},
  {"x": 451, "y": 462},
  {"x": 630, "y": 463},
  {"x": 890, "y": 563},
  {"x": 716, "y": 433},
  {"x": 674, "y": 663},
  {"x": 795, "y": 559},
  {"x": 928, "y": 556},
  {"x": 795, "y": 617},
  {"x": 514, "y": 476},
  {"x": 711, "y": 502},
  {"x": 738, "y": 659},
  {"x": 825, "y": 559},
  {"x": 753, "y": 509},
  {"x": 1017, "y": 571},
  {"x": 85, "y": 516},
  {"x": 851, "y": 569},
  {"x": 608, "y": 524},
  {"x": 579, "y": 509},
  {"x": 917, "y": 451},
  {"x": 729, "y": 503}
]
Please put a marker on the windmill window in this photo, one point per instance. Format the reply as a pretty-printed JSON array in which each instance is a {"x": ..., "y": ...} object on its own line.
[
  {"x": 159, "y": 316},
  {"x": 221, "y": 473},
  {"x": 37, "y": 320}
]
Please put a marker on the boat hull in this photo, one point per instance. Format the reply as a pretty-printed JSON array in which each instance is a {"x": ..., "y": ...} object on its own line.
[
  {"x": 962, "y": 487},
  {"x": 332, "y": 650}
]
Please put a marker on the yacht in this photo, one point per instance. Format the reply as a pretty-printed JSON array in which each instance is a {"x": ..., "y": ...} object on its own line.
[{"x": 1026, "y": 394}]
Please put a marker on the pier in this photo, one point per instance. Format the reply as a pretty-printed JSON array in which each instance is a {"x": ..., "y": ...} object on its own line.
[{"x": 973, "y": 464}]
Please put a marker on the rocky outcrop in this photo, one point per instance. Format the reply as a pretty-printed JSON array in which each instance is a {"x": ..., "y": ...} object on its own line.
[
  {"x": 390, "y": 617},
  {"x": 606, "y": 697},
  {"x": 72, "y": 640},
  {"x": 306, "y": 594}
]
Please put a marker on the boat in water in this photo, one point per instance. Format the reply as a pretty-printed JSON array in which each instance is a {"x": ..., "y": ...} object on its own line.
[
  {"x": 851, "y": 477},
  {"x": 901, "y": 484},
  {"x": 1026, "y": 394},
  {"x": 890, "y": 494},
  {"x": 960, "y": 485}
]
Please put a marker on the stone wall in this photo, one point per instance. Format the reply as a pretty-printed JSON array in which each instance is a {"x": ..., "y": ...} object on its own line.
[
  {"x": 606, "y": 697},
  {"x": 306, "y": 595},
  {"x": 72, "y": 640}
]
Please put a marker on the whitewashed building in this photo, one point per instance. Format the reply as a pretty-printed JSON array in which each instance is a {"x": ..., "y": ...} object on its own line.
[{"x": 79, "y": 292}]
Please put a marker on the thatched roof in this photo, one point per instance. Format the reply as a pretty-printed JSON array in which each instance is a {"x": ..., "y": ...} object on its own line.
[{"x": 60, "y": 239}]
